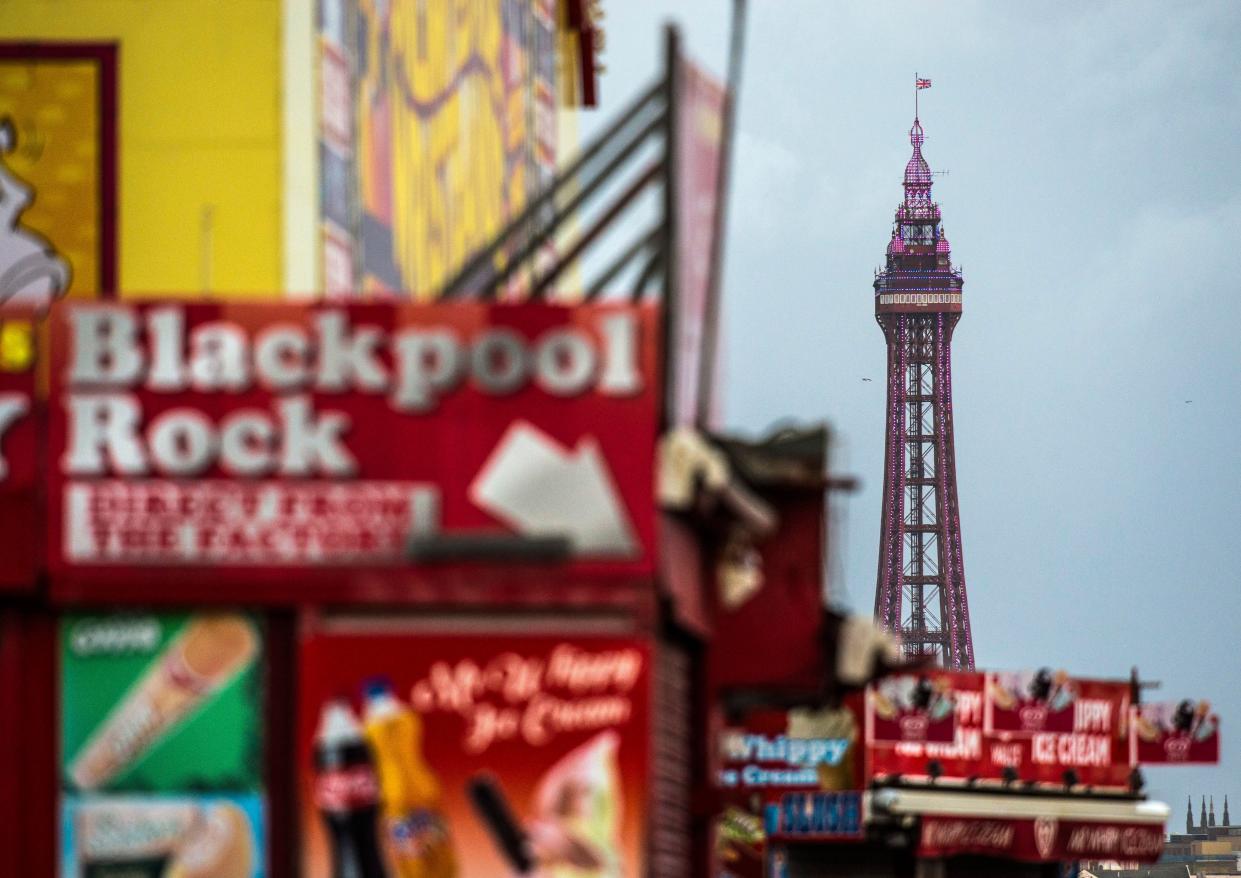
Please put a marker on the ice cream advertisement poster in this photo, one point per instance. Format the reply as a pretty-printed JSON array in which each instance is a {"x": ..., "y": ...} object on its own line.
[
  {"x": 202, "y": 836},
  {"x": 160, "y": 703},
  {"x": 1038, "y": 701},
  {"x": 473, "y": 754},
  {"x": 1185, "y": 732}
]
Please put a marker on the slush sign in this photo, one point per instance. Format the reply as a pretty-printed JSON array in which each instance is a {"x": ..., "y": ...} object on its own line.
[
  {"x": 261, "y": 435},
  {"x": 815, "y": 815}
]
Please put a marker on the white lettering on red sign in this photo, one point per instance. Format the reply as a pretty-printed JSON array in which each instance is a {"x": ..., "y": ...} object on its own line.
[
  {"x": 1108, "y": 840},
  {"x": 221, "y": 522},
  {"x": 947, "y": 834},
  {"x": 534, "y": 698},
  {"x": 1072, "y": 750},
  {"x": 1092, "y": 715},
  {"x": 113, "y": 354}
]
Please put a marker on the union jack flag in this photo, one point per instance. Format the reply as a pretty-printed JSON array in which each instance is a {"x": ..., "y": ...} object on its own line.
[{"x": 924, "y": 83}]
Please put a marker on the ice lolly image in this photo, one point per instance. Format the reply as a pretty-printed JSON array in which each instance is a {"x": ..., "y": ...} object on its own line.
[
  {"x": 208, "y": 653},
  {"x": 128, "y": 832}
]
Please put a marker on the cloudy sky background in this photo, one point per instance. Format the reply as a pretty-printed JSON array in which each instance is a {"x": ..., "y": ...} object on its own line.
[{"x": 1094, "y": 204}]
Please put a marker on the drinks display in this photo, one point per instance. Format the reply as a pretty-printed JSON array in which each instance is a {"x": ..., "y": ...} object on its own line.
[
  {"x": 209, "y": 652},
  {"x": 347, "y": 793},
  {"x": 415, "y": 833},
  {"x": 494, "y": 754}
]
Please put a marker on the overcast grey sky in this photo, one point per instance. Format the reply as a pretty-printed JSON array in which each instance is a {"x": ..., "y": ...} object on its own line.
[{"x": 1094, "y": 204}]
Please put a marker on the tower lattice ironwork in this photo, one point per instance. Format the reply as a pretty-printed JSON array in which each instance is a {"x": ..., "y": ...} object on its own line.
[{"x": 921, "y": 583}]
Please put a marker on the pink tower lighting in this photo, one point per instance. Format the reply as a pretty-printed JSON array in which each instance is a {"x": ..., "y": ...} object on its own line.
[{"x": 920, "y": 595}]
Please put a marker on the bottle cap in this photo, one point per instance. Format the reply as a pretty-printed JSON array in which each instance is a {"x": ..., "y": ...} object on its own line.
[
  {"x": 338, "y": 723},
  {"x": 376, "y": 687}
]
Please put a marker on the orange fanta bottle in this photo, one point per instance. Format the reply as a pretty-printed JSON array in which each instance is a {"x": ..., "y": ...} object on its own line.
[{"x": 415, "y": 833}]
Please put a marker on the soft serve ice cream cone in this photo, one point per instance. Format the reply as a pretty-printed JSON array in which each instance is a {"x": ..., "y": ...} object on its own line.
[
  {"x": 206, "y": 655},
  {"x": 578, "y": 809}
]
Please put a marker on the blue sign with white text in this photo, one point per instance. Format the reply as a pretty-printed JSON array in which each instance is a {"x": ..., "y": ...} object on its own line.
[{"x": 812, "y": 815}]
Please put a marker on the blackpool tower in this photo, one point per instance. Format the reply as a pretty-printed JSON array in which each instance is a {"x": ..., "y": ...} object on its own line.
[{"x": 920, "y": 594}]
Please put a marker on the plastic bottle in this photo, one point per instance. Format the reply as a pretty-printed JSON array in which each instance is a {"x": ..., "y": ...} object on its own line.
[
  {"x": 347, "y": 793},
  {"x": 415, "y": 832}
]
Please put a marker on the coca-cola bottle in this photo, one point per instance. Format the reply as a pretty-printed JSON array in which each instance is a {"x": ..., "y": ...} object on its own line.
[{"x": 347, "y": 793}]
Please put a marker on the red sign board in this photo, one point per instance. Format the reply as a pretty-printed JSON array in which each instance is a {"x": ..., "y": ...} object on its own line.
[
  {"x": 256, "y": 439},
  {"x": 700, "y": 133},
  {"x": 1182, "y": 732},
  {"x": 915, "y": 708},
  {"x": 20, "y": 531},
  {"x": 1043, "y": 839},
  {"x": 558, "y": 728},
  {"x": 1031, "y": 701},
  {"x": 1095, "y": 748},
  {"x": 961, "y": 757}
]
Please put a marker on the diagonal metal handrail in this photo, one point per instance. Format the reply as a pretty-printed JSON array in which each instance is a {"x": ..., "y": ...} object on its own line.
[
  {"x": 609, "y": 274},
  {"x": 614, "y": 210},
  {"x": 486, "y": 256},
  {"x": 536, "y": 241}
]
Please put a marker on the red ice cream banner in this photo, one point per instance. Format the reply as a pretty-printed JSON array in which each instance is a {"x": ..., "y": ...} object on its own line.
[
  {"x": 261, "y": 440},
  {"x": 1184, "y": 732},
  {"x": 20, "y": 533},
  {"x": 561, "y": 726},
  {"x": 1095, "y": 749},
  {"x": 1043, "y": 839},
  {"x": 960, "y": 757},
  {"x": 912, "y": 708},
  {"x": 1034, "y": 701}
]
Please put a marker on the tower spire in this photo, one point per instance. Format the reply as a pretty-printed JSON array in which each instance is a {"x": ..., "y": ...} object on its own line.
[
  {"x": 1189, "y": 815},
  {"x": 1227, "y": 822},
  {"x": 1202, "y": 822},
  {"x": 1212, "y": 817}
]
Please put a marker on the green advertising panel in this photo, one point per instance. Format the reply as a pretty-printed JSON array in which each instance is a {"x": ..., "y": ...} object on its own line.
[{"x": 166, "y": 702}]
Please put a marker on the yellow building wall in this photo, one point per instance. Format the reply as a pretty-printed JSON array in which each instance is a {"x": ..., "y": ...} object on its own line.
[{"x": 199, "y": 144}]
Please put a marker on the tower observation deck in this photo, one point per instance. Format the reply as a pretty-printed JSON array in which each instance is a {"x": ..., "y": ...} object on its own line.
[{"x": 920, "y": 595}]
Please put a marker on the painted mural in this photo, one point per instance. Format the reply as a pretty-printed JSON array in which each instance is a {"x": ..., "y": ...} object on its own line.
[{"x": 437, "y": 122}]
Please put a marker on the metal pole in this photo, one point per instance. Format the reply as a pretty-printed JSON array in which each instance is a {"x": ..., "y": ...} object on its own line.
[
  {"x": 711, "y": 332},
  {"x": 671, "y": 297}
]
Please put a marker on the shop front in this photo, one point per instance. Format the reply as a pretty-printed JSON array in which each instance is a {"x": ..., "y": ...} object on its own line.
[
  {"x": 924, "y": 773},
  {"x": 330, "y": 587}
]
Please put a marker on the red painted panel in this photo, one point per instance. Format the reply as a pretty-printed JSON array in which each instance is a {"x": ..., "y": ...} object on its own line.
[
  {"x": 774, "y": 637},
  {"x": 20, "y": 531}
]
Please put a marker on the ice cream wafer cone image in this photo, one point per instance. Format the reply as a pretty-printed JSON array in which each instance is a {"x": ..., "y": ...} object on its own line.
[
  {"x": 218, "y": 846},
  {"x": 578, "y": 805},
  {"x": 205, "y": 656}
]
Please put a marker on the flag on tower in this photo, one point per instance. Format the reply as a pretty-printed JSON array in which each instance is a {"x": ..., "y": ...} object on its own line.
[{"x": 924, "y": 83}]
